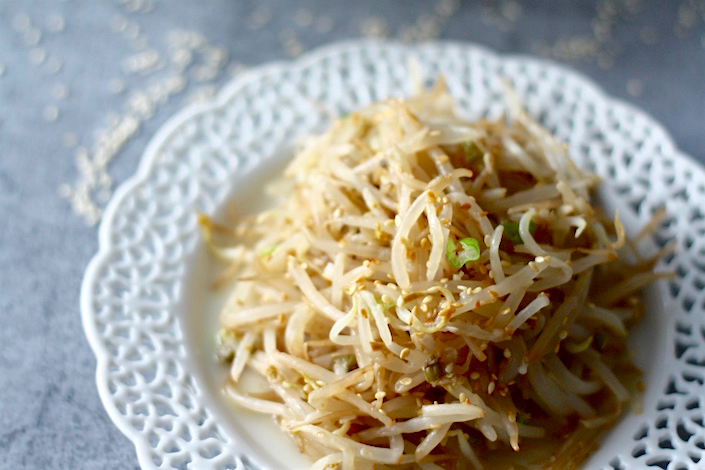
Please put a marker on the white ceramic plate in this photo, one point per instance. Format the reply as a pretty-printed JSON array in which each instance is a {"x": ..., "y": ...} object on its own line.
[{"x": 149, "y": 313}]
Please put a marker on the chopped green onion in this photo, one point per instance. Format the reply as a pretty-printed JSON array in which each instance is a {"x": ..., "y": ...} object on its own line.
[
  {"x": 433, "y": 371},
  {"x": 470, "y": 251},
  {"x": 511, "y": 231},
  {"x": 267, "y": 251},
  {"x": 226, "y": 344},
  {"x": 344, "y": 364},
  {"x": 472, "y": 152},
  {"x": 522, "y": 419},
  {"x": 384, "y": 306}
]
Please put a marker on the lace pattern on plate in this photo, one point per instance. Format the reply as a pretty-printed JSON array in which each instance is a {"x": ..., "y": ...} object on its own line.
[{"x": 132, "y": 285}]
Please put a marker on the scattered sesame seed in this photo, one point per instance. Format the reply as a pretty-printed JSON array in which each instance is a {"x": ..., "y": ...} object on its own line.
[
  {"x": 143, "y": 62},
  {"x": 21, "y": 22},
  {"x": 32, "y": 36},
  {"x": 635, "y": 87},
  {"x": 259, "y": 18},
  {"x": 490, "y": 388},
  {"x": 53, "y": 65},
  {"x": 50, "y": 113},
  {"x": 116, "y": 86},
  {"x": 55, "y": 23},
  {"x": 132, "y": 30},
  {"x": 37, "y": 55},
  {"x": 290, "y": 42},
  {"x": 204, "y": 73},
  {"x": 446, "y": 8},
  {"x": 475, "y": 375},
  {"x": 60, "y": 91},
  {"x": 303, "y": 18},
  {"x": 118, "y": 24},
  {"x": 323, "y": 25},
  {"x": 374, "y": 27},
  {"x": 511, "y": 10}
]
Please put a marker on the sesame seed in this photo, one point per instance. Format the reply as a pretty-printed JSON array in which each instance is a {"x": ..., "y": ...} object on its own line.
[
  {"x": 132, "y": 30},
  {"x": 21, "y": 22},
  {"x": 324, "y": 24},
  {"x": 635, "y": 87},
  {"x": 259, "y": 18},
  {"x": 143, "y": 62},
  {"x": 447, "y": 8},
  {"x": 490, "y": 388},
  {"x": 60, "y": 91},
  {"x": 50, "y": 113},
  {"x": 475, "y": 375},
  {"x": 54, "y": 65},
  {"x": 55, "y": 23},
  {"x": 303, "y": 18},
  {"x": 118, "y": 24},
  {"x": 32, "y": 36},
  {"x": 37, "y": 55},
  {"x": 374, "y": 27}
]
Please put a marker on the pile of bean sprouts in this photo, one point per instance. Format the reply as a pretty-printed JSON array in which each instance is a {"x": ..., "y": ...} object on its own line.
[{"x": 429, "y": 293}]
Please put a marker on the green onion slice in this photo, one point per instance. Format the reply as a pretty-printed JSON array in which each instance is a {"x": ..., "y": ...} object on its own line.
[
  {"x": 511, "y": 231},
  {"x": 469, "y": 251},
  {"x": 472, "y": 152}
]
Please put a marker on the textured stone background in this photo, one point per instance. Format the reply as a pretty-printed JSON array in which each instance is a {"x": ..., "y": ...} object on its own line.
[{"x": 85, "y": 84}]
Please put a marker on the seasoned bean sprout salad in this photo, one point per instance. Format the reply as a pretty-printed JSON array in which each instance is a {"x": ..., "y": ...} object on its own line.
[{"x": 432, "y": 293}]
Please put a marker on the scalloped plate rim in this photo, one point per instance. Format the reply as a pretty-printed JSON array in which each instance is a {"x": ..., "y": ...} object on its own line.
[{"x": 149, "y": 157}]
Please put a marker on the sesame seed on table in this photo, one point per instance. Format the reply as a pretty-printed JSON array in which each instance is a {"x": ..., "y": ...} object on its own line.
[{"x": 84, "y": 85}]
